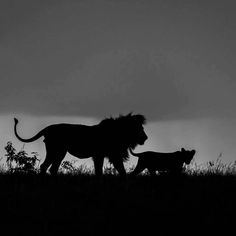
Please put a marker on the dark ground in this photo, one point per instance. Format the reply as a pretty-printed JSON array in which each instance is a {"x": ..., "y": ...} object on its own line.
[{"x": 85, "y": 205}]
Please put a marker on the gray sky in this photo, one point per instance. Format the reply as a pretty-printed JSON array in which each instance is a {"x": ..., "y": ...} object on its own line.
[{"x": 173, "y": 61}]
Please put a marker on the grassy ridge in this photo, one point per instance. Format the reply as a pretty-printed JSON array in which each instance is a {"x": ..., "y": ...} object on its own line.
[{"x": 46, "y": 205}]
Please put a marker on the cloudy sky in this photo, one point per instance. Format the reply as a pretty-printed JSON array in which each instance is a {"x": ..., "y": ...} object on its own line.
[{"x": 82, "y": 61}]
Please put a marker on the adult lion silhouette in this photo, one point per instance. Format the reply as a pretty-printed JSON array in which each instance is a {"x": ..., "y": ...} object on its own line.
[
  {"x": 156, "y": 161},
  {"x": 111, "y": 139}
]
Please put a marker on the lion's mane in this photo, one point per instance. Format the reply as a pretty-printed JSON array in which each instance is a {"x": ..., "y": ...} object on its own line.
[{"x": 122, "y": 133}]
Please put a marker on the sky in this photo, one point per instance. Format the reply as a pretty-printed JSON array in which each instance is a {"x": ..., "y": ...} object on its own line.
[{"x": 82, "y": 61}]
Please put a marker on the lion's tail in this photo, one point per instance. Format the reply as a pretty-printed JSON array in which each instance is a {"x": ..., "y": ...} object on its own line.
[
  {"x": 133, "y": 153},
  {"x": 37, "y": 136}
]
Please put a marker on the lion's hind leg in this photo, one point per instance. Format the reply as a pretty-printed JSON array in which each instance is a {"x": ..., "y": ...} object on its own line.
[
  {"x": 44, "y": 166},
  {"x": 54, "y": 156},
  {"x": 57, "y": 159},
  {"x": 47, "y": 162}
]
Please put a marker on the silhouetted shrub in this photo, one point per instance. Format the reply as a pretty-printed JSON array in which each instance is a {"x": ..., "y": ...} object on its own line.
[
  {"x": 70, "y": 167},
  {"x": 20, "y": 161},
  {"x": 110, "y": 170}
]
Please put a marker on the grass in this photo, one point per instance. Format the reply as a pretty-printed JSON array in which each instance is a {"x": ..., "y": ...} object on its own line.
[{"x": 200, "y": 201}]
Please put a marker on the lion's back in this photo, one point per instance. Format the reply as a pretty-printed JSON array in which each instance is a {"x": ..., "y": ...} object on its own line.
[{"x": 69, "y": 132}]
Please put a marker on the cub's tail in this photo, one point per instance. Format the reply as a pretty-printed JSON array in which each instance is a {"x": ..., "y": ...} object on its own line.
[
  {"x": 37, "y": 136},
  {"x": 133, "y": 153}
]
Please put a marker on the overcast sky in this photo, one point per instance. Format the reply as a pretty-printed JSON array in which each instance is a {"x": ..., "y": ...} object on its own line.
[{"x": 81, "y": 61}]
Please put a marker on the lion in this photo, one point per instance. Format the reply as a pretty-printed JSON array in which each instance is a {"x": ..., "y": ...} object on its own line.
[
  {"x": 111, "y": 138},
  {"x": 162, "y": 162}
]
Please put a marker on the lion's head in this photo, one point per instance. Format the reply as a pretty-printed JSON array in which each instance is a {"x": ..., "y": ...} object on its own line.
[
  {"x": 187, "y": 155},
  {"x": 124, "y": 132}
]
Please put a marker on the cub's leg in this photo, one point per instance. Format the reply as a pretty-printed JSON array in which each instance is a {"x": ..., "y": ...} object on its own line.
[{"x": 138, "y": 169}]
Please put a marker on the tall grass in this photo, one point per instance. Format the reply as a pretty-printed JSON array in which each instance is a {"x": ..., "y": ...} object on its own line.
[
  {"x": 76, "y": 202},
  {"x": 72, "y": 167},
  {"x": 217, "y": 167}
]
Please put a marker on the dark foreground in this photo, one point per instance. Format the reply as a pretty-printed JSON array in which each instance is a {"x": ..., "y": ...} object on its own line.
[{"x": 85, "y": 205}]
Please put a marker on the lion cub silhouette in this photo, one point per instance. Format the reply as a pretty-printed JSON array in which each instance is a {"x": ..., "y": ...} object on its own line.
[{"x": 156, "y": 161}]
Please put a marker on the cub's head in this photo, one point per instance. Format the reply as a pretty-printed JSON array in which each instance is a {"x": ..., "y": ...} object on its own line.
[{"x": 187, "y": 155}]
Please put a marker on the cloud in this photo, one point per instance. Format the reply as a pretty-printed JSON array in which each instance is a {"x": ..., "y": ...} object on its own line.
[
  {"x": 161, "y": 84},
  {"x": 52, "y": 64}
]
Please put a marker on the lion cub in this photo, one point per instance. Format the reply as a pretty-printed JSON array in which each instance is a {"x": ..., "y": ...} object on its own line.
[{"x": 156, "y": 161}]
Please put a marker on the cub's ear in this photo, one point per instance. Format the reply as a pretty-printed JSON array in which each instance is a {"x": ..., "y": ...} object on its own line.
[
  {"x": 182, "y": 149},
  {"x": 193, "y": 151}
]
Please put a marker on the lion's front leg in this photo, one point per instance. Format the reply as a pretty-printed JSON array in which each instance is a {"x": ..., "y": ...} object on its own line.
[
  {"x": 119, "y": 165},
  {"x": 98, "y": 165}
]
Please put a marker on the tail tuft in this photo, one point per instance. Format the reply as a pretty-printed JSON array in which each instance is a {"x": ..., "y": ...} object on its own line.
[{"x": 16, "y": 120}]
